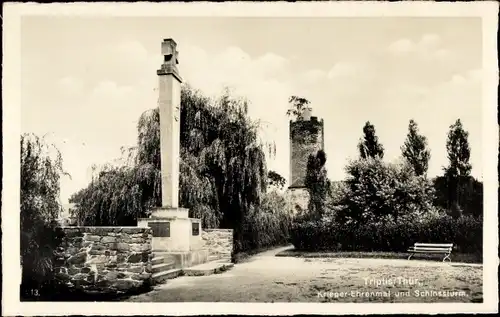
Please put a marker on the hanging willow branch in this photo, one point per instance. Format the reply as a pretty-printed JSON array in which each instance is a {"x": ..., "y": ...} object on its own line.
[{"x": 223, "y": 171}]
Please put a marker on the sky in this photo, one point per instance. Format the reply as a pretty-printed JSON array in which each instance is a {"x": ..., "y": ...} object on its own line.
[{"x": 86, "y": 81}]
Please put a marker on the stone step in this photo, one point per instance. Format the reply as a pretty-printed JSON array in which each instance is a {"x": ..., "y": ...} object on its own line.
[
  {"x": 184, "y": 259},
  {"x": 162, "y": 267},
  {"x": 224, "y": 257},
  {"x": 166, "y": 256},
  {"x": 166, "y": 275},
  {"x": 157, "y": 260},
  {"x": 214, "y": 267},
  {"x": 213, "y": 257}
]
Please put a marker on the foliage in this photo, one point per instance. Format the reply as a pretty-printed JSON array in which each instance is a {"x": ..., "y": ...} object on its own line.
[
  {"x": 275, "y": 179},
  {"x": 415, "y": 150},
  {"x": 338, "y": 190},
  {"x": 317, "y": 184},
  {"x": 378, "y": 190},
  {"x": 297, "y": 107},
  {"x": 369, "y": 146},
  {"x": 470, "y": 195},
  {"x": 112, "y": 198},
  {"x": 306, "y": 132},
  {"x": 41, "y": 170},
  {"x": 269, "y": 226},
  {"x": 465, "y": 233}
]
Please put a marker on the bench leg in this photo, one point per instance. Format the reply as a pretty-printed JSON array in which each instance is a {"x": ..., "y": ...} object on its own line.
[
  {"x": 447, "y": 256},
  {"x": 410, "y": 256}
]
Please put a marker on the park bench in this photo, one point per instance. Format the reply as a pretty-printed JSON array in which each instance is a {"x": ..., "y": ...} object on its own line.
[{"x": 440, "y": 248}]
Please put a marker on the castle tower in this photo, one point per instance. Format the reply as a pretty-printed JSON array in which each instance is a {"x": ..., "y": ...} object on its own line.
[{"x": 306, "y": 138}]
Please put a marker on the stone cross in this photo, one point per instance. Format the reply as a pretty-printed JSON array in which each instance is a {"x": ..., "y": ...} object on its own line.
[{"x": 169, "y": 104}]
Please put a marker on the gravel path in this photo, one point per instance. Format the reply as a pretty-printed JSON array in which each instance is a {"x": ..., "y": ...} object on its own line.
[{"x": 267, "y": 278}]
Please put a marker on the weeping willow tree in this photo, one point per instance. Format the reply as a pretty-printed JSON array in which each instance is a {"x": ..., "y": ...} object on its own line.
[
  {"x": 41, "y": 170},
  {"x": 223, "y": 173},
  {"x": 226, "y": 166}
]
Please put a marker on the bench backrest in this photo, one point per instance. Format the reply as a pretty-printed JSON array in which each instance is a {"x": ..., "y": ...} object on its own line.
[{"x": 433, "y": 246}]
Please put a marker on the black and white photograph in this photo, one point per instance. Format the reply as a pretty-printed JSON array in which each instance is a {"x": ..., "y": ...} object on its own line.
[{"x": 198, "y": 155}]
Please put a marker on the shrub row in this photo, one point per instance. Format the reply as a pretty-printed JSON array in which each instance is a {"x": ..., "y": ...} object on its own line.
[
  {"x": 265, "y": 226},
  {"x": 465, "y": 233},
  {"x": 264, "y": 230}
]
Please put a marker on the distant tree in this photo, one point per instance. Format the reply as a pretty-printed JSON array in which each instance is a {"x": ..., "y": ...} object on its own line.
[
  {"x": 41, "y": 170},
  {"x": 415, "y": 150},
  {"x": 457, "y": 146},
  {"x": 317, "y": 184},
  {"x": 369, "y": 146},
  {"x": 458, "y": 150},
  {"x": 276, "y": 179},
  {"x": 297, "y": 106}
]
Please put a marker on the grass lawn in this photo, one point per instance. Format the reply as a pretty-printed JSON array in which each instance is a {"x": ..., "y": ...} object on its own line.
[{"x": 455, "y": 257}]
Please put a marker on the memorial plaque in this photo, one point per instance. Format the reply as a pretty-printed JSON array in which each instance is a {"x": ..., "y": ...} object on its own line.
[
  {"x": 160, "y": 229},
  {"x": 196, "y": 228}
]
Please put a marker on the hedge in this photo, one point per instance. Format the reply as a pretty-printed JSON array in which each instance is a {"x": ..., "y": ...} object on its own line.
[
  {"x": 466, "y": 233},
  {"x": 265, "y": 226},
  {"x": 263, "y": 230}
]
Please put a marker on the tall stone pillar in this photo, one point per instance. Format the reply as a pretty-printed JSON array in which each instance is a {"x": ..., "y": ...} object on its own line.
[
  {"x": 169, "y": 103},
  {"x": 174, "y": 233}
]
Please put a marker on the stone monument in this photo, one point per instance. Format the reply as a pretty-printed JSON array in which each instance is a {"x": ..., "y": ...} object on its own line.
[{"x": 174, "y": 233}]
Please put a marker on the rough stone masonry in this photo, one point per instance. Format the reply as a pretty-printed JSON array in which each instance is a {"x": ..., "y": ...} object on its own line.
[
  {"x": 219, "y": 243},
  {"x": 100, "y": 260}
]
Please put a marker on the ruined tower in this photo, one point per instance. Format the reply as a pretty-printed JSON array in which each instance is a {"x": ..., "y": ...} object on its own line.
[{"x": 306, "y": 138}]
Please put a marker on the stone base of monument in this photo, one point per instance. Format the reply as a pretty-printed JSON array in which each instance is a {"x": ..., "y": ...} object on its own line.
[
  {"x": 177, "y": 243},
  {"x": 173, "y": 231}
]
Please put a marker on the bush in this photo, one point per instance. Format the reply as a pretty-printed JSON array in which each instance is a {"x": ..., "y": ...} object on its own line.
[
  {"x": 265, "y": 227},
  {"x": 465, "y": 233},
  {"x": 377, "y": 190},
  {"x": 469, "y": 198}
]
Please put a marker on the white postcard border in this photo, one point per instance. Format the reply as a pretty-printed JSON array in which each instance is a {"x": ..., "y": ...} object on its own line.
[{"x": 11, "y": 96}]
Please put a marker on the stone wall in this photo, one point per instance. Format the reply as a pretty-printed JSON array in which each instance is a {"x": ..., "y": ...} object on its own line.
[
  {"x": 101, "y": 260},
  {"x": 219, "y": 242},
  {"x": 298, "y": 200}
]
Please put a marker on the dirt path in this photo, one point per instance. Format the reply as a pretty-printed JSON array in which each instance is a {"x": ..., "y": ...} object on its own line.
[{"x": 267, "y": 278}]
